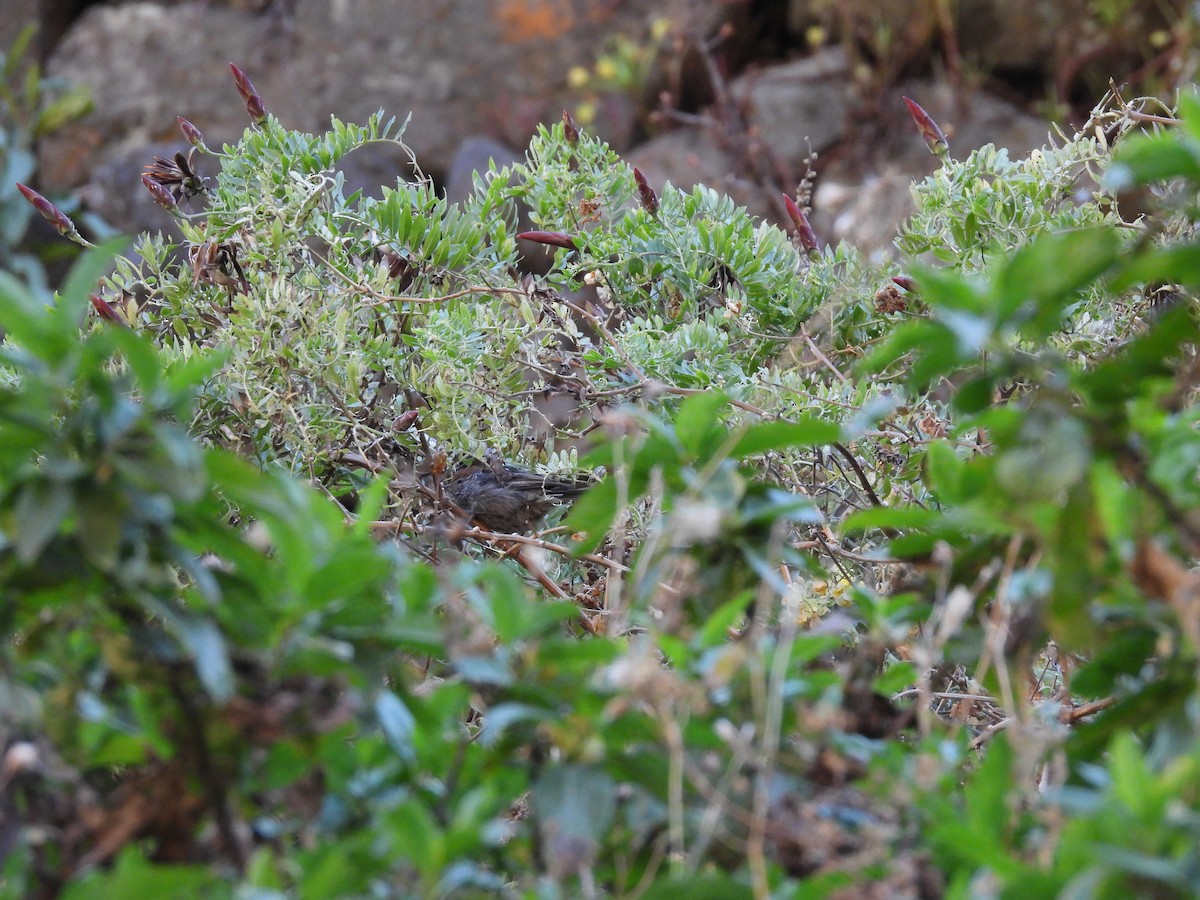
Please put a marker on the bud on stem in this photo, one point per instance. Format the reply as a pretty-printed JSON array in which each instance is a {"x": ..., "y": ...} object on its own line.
[
  {"x": 804, "y": 232},
  {"x": 105, "y": 310},
  {"x": 193, "y": 134},
  {"x": 552, "y": 238},
  {"x": 56, "y": 217},
  {"x": 934, "y": 137},
  {"x": 245, "y": 87},
  {"x": 160, "y": 194},
  {"x": 645, "y": 192}
]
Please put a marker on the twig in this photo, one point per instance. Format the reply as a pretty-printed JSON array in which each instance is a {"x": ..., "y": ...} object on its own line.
[
  {"x": 214, "y": 785},
  {"x": 858, "y": 470},
  {"x": 381, "y": 299},
  {"x": 1067, "y": 716},
  {"x": 817, "y": 352}
]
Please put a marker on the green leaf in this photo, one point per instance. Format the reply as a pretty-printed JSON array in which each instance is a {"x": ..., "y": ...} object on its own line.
[
  {"x": 944, "y": 469},
  {"x": 1035, "y": 286},
  {"x": 1177, "y": 263},
  {"x": 16, "y": 51},
  {"x": 716, "y": 627},
  {"x": 574, "y": 803},
  {"x": 416, "y": 836},
  {"x": 74, "y": 104},
  {"x": 698, "y": 418},
  {"x": 773, "y": 504},
  {"x": 41, "y": 509},
  {"x": 593, "y": 515},
  {"x": 504, "y": 715},
  {"x": 134, "y": 876},
  {"x": 204, "y": 641},
  {"x": 398, "y": 724},
  {"x": 889, "y": 517},
  {"x": 85, "y": 274},
  {"x": 895, "y": 678},
  {"x": 1151, "y": 158},
  {"x": 1149, "y": 355},
  {"x": 807, "y": 431}
]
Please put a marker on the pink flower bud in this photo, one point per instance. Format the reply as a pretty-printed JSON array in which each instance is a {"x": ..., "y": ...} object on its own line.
[
  {"x": 645, "y": 192},
  {"x": 191, "y": 132},
  {"x": 553, "y": 238},
  {"x": 934, "y": 137},
  {"x": 51, "y": 213},
  {"x": 245, "y": 87},
  {"x": 106, "y": 310},
  {"x": 160, "y": 194},
  {"x": 804, "y": 232}
]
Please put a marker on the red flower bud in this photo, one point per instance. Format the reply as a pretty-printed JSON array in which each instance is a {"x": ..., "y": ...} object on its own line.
[
  {"x": 934, "y": 137},
  {"x": 160, "y": 194},
  {"x": 52, "y": 214},
  {"x": 405, "y": 420},
  {"x": 645, "y": 192},
  {"x": 553, "y": 238},
  {"x": 245, "y": 87},
  {"x": 191, "y": 132},
  {"x": 804, "y": 232},
  {"x": 105, "y": 310}
]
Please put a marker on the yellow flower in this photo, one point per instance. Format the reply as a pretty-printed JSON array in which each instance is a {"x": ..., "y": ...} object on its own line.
[
  {"x": 578, "y": 77},
  {"x": 606, "y": 69}
]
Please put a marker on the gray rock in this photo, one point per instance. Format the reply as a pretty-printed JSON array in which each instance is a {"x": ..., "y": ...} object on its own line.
[
  {"x": 800, "y": 106},
  {"x": 461, "y": 69},
  {"x": 690, "y": 156}
]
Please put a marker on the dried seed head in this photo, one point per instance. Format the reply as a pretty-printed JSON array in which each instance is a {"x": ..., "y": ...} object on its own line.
[
  {"x": 888, "y": 299},
  {"x": 570, "y": 129}
]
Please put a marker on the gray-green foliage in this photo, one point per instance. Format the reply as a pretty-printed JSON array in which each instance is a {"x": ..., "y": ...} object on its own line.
[
  {"x": 988, "y": 204},
  {"x": 355, "y": 308}
]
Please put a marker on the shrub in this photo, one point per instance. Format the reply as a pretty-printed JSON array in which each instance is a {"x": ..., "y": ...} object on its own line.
[{"x": 796, "y": 644}]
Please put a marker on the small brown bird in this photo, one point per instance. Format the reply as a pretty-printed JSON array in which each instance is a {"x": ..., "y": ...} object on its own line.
[{"x": 507, "y": 499}]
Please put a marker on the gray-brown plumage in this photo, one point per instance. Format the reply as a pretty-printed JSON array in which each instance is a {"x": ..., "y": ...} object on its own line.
[{"x": 507, "y": 499}]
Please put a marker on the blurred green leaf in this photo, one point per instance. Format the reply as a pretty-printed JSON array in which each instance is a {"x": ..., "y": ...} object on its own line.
[
  {"x": 807, "y": 431},
  {"x": 398, "y": 724}
]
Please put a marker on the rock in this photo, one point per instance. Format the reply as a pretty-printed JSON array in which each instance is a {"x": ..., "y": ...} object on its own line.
[
  {"x": 460, "y": 68},
  {"x": 798, "y": 107},
  {"x": 690, "y": 156},
  {"x": 473, "y": 155},
  {"x": 13, "y": 19}
]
